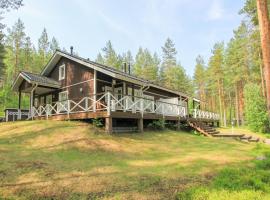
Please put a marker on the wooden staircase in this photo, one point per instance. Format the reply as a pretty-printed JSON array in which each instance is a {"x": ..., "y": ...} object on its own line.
[{"x": 210, "y": 131}]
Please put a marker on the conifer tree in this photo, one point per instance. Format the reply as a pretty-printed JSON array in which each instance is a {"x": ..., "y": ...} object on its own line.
[
  {"x": 43, "y": 47},
  {"x": 54, "y": 45},
  {"x": 200, "y": 78},
  {"x": 168, "y": 58}
]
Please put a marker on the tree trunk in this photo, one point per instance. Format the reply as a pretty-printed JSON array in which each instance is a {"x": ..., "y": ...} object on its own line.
[
  {"x": 236, "y": 104},
  {"x": 265, "y": 43},
  {"x": 241, "y": 101},
  {"x": 220, "y": 101},
  {"x": 262, "y": 78}
]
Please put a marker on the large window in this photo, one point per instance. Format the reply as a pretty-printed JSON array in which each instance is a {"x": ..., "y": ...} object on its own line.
[{"x": 62, "y": 72}]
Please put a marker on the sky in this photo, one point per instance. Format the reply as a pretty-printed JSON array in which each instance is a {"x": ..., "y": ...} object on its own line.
[{"x": 87, "y": 25}]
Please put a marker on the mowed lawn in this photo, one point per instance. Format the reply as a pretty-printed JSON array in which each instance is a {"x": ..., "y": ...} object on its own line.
[{"x": 68, "y": 160}]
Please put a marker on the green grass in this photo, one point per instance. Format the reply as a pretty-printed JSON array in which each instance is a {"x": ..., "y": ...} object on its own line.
[
  {"x": 67, "y": 160},
  {"x": 239, "y": 183}
]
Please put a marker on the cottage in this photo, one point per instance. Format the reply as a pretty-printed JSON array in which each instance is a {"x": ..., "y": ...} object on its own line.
[{"x": 71, "y": 87}]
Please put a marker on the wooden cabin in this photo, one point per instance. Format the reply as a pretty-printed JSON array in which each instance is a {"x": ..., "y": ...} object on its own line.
[{"x": 71, "y": 87}]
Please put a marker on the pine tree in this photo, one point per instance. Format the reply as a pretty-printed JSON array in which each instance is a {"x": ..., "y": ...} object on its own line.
[
  {"x": 110, "y": 56},
  {"x": 2, "y": 55},
  {"x": 99, "y": 59},
  {"x": 15, "y": 43},
  {"x": 139, "y": 62},
  {"x": 264, "y": 23},
  {"x": 28, "y": 55},
  {"x": 200, "y": 78},
  {"x": 216, "y": 62},
  {"x": 43, "y": 47},
  {"x": 168, "y": 58},
  {"x": 54, "y": 45},
  {"x": 146, "y": 65}
]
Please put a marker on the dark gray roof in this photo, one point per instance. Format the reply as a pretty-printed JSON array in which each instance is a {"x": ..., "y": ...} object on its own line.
[
  {"x": 37, "y": 78},
  {"x": 114, "y": 70},
  {"x": 108, "y": 68}
]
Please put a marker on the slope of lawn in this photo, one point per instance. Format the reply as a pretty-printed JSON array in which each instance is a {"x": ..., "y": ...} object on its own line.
[{"x": 68, "y": 160}]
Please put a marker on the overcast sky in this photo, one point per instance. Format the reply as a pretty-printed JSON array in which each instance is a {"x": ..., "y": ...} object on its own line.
[{"x": 194, "y": 26}]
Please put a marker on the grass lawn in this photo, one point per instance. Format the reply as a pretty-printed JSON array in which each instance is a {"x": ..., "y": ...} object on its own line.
[{"x": 67, "y": 160}]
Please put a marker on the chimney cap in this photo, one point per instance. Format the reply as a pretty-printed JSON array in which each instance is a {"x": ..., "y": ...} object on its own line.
[{"x": 71, "y": 50}]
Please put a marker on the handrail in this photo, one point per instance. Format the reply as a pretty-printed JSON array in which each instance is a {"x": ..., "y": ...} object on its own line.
[{"x": 201, "y": 114}]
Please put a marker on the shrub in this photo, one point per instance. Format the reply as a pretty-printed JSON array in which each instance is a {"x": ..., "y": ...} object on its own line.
[
  {"x": 157, "y": 125},
  {"x": 98, "y": 122}
]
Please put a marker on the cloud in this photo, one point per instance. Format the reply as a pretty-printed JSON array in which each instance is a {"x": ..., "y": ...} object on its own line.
[{"x": 216, "y": 10}]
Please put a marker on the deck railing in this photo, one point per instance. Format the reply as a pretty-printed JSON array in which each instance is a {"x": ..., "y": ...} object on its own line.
[
  {"x": 201, "y": 114},
  {"x": 110, "y": 103}
]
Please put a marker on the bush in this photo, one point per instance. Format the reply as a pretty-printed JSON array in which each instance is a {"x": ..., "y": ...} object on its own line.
[
  {"x": 98, "y": 122},
  {"x": 157, "y": 125},
  {"x": 255, "y": 108}
]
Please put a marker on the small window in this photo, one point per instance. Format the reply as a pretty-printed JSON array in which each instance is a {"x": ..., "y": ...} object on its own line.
[{"x": 61, "y": 72}]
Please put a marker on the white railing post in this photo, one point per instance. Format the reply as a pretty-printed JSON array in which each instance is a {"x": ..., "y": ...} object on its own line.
[
  {"x": 86, "y": 104},
  {"x": 162, "y": 108},
  {"x": 195, "y": 113},
  {"x": 46, "y": 111},
  {"x": 68, "y": 107}
]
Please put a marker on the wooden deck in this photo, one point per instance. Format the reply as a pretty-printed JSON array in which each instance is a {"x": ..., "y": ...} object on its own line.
[{"x": 104, "y": 114}]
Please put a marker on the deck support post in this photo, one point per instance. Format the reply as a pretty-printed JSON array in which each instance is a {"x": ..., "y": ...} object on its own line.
[
  {"x": 140, "y": 125},
  {"x": 178, "y": 125},
  {"x": 108, "y": 125}
]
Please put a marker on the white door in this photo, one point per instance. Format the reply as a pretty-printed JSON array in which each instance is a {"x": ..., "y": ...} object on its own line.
[{"x": 63, "y": 103}]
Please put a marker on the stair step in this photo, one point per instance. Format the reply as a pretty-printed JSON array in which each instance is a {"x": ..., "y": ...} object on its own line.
[
  {"x": 246, "y": 137},
  {"x": 215, "y": 133},
  {"x": 229, "y": 135},
  {"x": 211, "y": 131},
  {"x": 254, "y": 140}
]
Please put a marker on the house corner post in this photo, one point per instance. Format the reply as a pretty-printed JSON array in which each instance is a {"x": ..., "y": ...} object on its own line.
[
  {"x": 140, "y": 125},
  {"x": 108, "y": 125},
  {"x": 178, "y": 125}
]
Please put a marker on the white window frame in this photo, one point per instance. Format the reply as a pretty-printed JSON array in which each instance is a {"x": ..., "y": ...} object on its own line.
[
  {"x": 36, "y": 102},
  {"x": 62, "y": 76}
]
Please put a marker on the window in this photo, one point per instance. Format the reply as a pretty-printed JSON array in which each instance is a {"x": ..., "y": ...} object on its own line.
[
  {"x": 61, "y": 72},
  {"x": 36, "y": 102}
]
